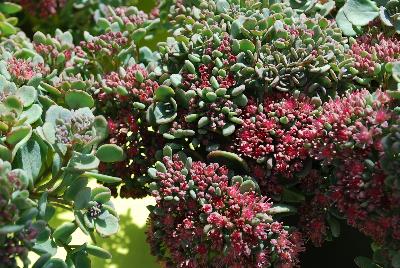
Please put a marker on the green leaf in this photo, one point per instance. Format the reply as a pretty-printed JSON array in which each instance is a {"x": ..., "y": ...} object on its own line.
[
  {"x": 246, "y": 44},
  {"x": 55, "y": 113},
  {"x": 30, "y": 157},
  {"x": 27, "y": 95},
  {"x": 17, "y": 134},
  {"x": 81, "y": 260},
  {"x": 101, "y": 126},
  {"x": 55, "y": 263},
  {"x": 32, "y": 114},
  {"x": 12, "y": 103},
  {"x": 396, "y": 260},
  {"x": 98, "y": 252},
  {"x": 7, "y": 229},
  {"x": 48, "y": 246},
  {"x": 334, "y": 225},
  {"x": 5, "y": 153},
  {"x": 292, "y": 196},
  {"x": 83, "y": 162},
  {"x": 79, "y": 220},
  {"x": 395, "y": 69},
  {"x": 190, "y": 67},
  {"x": 163, "y": 93},
  {"x": 39, "y": 37},
  {"x": 9, "y": 8},
  {"x": 247, "y": 186},
  {"x": 228, "y": 129},
  {"x": 42, "y": 260},
  {"x": 100, "y": 190},
  {"x": 107, "y": 224},
  {"x": 82, "y": 198},
  {"x": 78, "y": 99},
  {"x": 364, "y": 262},
  {"x": 222, "y": 6},
  {"x": 176, "y": 79},
  {"x": 229, "y": 159},
  {"x": 7, "y": 28},
  {"x": 345, "y": 25},
  {"x": 50, "y": 89},
  {"x": 64, "y": 231},
  {"x": 360, "y": 12},
  {"x": 164, "y": 113},
  {"x": 103, "y": 23},
  {"x": 72, "y": 191},
  {"x": 282, "y": 209},
  {"x": 109, "y": 153},
  {"x": 102, "y": 177},
  {"x": 42, "y": 205}
]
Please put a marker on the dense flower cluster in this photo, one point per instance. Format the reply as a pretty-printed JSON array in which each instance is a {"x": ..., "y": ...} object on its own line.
[
  {"x": 42, "y": 8},
  {"x": 371, "y": 50},
  {"x": 313, "y": 219},
  {"x": 360, "y": 194},
  {"x": 134, "y": 80},
  {"x": 276, "y": 133},
  {"x": 131, "y": 15},
  {"x": 107, "y": 43},
  {"x": 350, "y": 125},
  {"x": 197, "y": 206},
  {"x": 24, "y": 70}
]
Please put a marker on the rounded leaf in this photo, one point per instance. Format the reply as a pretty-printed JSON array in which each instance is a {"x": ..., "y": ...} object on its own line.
[
  {"x": 109, "y": 153},
  {"x": 78, "y": 99}
]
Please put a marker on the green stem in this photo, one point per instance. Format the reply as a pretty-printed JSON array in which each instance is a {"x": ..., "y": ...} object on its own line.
[{"x": 93, "y": 237}]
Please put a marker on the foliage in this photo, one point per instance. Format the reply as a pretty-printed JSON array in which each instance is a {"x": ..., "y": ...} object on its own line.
[
  {"x": 50, "y": 146},
  {"x": 259, "y": 127}
]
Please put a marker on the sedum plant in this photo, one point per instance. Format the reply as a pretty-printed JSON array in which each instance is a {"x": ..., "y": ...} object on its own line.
[
  {"x": 211, "y": 212},
  {"x": 51, "y": 146},
  {"x": 288, "y": 100}
]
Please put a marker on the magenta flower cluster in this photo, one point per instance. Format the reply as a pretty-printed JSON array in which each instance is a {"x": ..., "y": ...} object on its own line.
[
  {"x": 276, "y": 134},
  {"x": 197, "y": 205}
]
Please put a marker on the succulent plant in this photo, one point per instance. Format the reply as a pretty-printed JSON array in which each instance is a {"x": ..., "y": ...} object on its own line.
[
  {"x": 51, "y": 145},
  {"x": 222, "y": 53},
  {"x": 211, "y": 212}
]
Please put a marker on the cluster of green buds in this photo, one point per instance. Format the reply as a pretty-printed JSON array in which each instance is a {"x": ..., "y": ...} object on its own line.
[{"x": 51, "y": 145}]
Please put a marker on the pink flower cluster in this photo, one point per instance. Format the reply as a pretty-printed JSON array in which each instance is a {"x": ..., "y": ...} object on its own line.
[
  {"x": 277, "y": 134},
  {"x": 135, "y": 18},
  {"x": 199, "y": 213},
  {"x": 192, "y": 81},
  {"x": 44, "y": 8},
  {"x": 352, "y": 123},
  {"x": 109, "y": 43},
  {"x": 142, "y": 91},
  {"x": 361, "y": 196},
  {"x": 348, "y": 136},
  {"x": 313, "y": 218},
  {"x": 370, "y": 49},
  {"x": 23, "y": 70}
]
